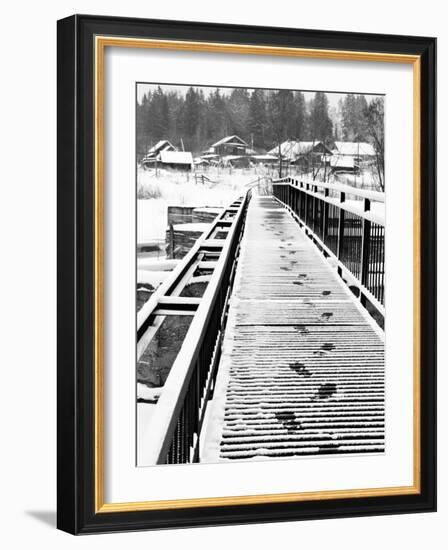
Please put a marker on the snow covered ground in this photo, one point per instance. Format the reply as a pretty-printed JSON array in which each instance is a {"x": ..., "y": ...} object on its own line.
[
  {"x": 169, "y": 188},
  {"x": 157, "y": 191},
  {"x": 366, "y": 179}
]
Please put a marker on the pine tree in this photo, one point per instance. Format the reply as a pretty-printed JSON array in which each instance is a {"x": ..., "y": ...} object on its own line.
[
  {"x": 354, "y": 126},
  {"x": 175, "y": 104},
  {"x": 348, "y": 116},
  {"x": 300, "y": 119},
  {"x": 281, "y": 115},
  {"x": 143, "y": 132},
  {"x": 219, "y": 119},
  {"x": 374, "y": 116},
  {"x": 190, "y": 119},
  {"x": 238, "y": 109},
  {"x": 257, "y": 120},
  {"x": 158, "y": 115},
  {"x": 321, "y": 126}
]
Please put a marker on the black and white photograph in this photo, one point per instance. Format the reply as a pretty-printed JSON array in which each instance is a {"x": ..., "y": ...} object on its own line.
[
  {"x": 246, "y": 318},
  {"x": 260, "y": 261},
  {"x": 220, "y": 304}
]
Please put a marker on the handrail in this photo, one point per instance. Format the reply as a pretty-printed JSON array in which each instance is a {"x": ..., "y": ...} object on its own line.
[
  {"x": 377, "y": 196},
  {"x": 347, "y": 231},
  {"x": 175, "y": 426},
  {"x": 340, "y": 197}
]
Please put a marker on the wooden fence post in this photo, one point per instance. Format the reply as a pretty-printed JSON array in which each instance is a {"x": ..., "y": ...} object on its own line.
[{"x": 171, "y": 241}]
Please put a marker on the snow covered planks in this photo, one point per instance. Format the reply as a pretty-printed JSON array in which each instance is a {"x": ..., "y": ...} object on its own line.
[{"x": 302, "y": 370}]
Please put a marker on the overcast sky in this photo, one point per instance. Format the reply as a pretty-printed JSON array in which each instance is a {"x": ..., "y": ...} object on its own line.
[{"x": 143, "y": 88}]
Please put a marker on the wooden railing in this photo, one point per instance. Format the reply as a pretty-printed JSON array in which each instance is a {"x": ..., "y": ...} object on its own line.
[
  {"x": 347, "y": 224},
  {"x": 175, "y": 430}
]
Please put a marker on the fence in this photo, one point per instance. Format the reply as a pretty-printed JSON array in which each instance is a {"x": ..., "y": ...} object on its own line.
[
  {"x": 179, "y": 413},
  {"x": 341, "y": 221}
]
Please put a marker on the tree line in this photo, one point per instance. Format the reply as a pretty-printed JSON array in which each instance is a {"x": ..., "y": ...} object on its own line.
[{"x": 263, "y": 118}]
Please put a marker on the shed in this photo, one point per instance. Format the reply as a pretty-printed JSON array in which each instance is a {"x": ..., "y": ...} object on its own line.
[
  {"x": 361, "y": 149},
  {"x": 230, "y": 145},
  {"x": 264, "y": 159},
  {"x": 343, "y": 163},
  {"x": 291, "y": 150},
  {"x": 152, "y": 156},
  {"x": 177, "y": 160},
  {"x": 162, "y": 145},
  {"x": 236, "y": 161}
]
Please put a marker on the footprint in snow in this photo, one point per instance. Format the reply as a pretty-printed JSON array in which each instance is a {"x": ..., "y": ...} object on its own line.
[
  {"x": 289, "y": 421},
  {"x": 326, "y": 391},
  {"x": 328, "y": 346},
  {"x": 300, "y": 369},
  {"x": 325, "y": 349}
]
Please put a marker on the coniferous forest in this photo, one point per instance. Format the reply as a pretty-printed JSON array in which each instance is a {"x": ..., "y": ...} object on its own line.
[{"x": 192, "y": 121}]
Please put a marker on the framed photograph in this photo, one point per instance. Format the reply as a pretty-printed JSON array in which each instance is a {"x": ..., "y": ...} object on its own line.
[{"x": 246, "y": 274}]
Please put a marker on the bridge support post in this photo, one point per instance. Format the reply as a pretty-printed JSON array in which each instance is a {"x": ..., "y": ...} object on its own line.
[
  {"x": 307, "y": 198},
  {"x": 341, "y": 221},
  {"x": 365, "y": 251},
  {"x": 325, "y": 217},
  {"x": 314, "y": 220}
]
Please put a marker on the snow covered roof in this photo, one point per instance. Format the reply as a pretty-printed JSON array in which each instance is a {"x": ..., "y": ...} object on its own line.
[
  {"x": 161, "y": 145},
  {"x": 233, "y": 157},
  {"x": 230, "y": 139},
  {"x": 342, "y": 161},
  {"x": 176, "y": 157},
  {"x": 264, "y": 157},
  {"x": 291, "y": 149},
  {"x": 354, "y": 148}
]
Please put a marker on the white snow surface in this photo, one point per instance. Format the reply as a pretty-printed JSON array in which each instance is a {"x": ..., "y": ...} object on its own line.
[
  {"x": 155, "y": 264},
  {"x": 194, "y": 227},
  {"x": 154, "y": 278},
  {"x": 169, "y": 188},
  {"x": 145, "y": 392}
]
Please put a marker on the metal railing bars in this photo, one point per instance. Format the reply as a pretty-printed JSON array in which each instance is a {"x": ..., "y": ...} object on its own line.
[
  {"x": 342, "y": 223},
  {"x": 179, "y": 414}
]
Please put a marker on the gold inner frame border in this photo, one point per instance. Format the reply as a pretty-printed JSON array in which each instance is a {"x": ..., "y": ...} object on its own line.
[{"x": 101, "y": 42}]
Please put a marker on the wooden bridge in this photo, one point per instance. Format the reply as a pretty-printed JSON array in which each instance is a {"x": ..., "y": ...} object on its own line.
[{"x": 283, "y": 357}]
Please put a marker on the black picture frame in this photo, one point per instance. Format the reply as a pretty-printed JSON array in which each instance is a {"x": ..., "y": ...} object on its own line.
[{"x": 76, "y": 286}]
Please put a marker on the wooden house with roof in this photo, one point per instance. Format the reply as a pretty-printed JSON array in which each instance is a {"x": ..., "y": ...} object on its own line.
[
  {"x": 230, "y": 146},
  {"x": 153, "y": 154},
  {"x": 359, "y": 150}
]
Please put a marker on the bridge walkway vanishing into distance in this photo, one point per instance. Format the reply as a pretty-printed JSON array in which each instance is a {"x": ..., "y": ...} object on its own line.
[
  {"x": 302, "y": 367},
  {"x": 282, "y": 359}
]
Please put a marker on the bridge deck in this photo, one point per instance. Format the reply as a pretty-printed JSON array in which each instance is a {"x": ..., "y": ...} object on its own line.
[{"x": 302, "y": 369}]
